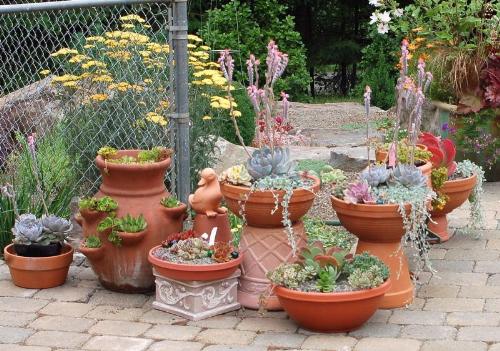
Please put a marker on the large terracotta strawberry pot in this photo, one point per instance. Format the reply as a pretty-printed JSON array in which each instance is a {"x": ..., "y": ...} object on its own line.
[
  {"x": 458, "y": 192},
  {"x": 380, "y": 229},
  {"x": 138, "y": 189},
  {"x": 264, "y": 241},
  {"x": 38, "y": 272},
  {"x": 331, "y": 312}
]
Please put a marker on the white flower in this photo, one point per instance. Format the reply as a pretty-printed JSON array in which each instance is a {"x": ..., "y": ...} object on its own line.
[
  {"x": 398, "y": 12},
  {"x": 375, "y": 3},
  {"x": 382, "y": 28},
  {"x": 385, "y": 17},
  {"x": 374, "y": 18}
]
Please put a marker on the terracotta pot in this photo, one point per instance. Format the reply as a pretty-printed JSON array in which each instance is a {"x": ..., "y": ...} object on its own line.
[
  {"x": 138, "y": 190},
  {"x": 426, "y": 171},
  {"x": 382, "y": 154},
  {"x": 260, "y": 204},
  {"x": 458, "y": 191},
  {"x": 204, "y": 224},
  {"x": 197, "y": 272},
  {"x": 38, "y": 272},
  {"x": 93, "y": 254},
  {"x": 331, "y": 312},
  {"x": 175, "y": 212},
  {"x": 380, "y": 229}
]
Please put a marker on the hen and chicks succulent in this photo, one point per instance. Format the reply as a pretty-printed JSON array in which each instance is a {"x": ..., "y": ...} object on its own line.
[{"x": 28, "y": 229}]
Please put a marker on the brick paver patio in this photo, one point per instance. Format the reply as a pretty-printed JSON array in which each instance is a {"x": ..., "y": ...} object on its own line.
[{"x": 457, "y": 310}]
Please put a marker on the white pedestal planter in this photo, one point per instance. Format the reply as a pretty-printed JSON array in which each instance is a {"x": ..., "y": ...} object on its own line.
[{"x": 196, "y": 300}]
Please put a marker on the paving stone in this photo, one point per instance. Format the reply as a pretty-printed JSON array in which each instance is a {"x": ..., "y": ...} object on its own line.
[
  {"x": 417, "y": 317},
  {"x": 236, "y": 348},
  {"x": 492, "y": 305},
  {"x": 244, "y": 313},
  {"x": 9, "y": 289},
  {"x": 438, "y": 290},
  {"x": 493, "y": 244},
  {"x": 65, "y": 293},
  {"x": 275, "y": 340},
  {"x": 449, "y": 345},
  {"x": 454, "y": 278},
  {"x": 494, "y": 279},
  {"x": 169, "y": 345},
  {"x": 70, "y": 309},
  {"x": 87, "y": 274},
  {"x": 328, "y": 342},
  {"x": 417, "y": 304},
  {"x": 387, "y": 344},
  {"x": 4, "y": 272},
  {"x": 14, "y": 334},
  {"x": 428, "y": 332},
  {"x": 487, "y": 334},
  {"x": 217, "y": 322},
  {"x": 173, "y": 332},
  {"x": 487, "y": 267},
  {"x": 115, "y": 313},
  {"x": 117, "y": 343},
  {"x": 62, "y": 323},
  {"x": 226, "y": 337},
  {"x": 155, "y": 316},
  {"x": 19, "y": 304},
  {"x": 472, "y": 254},
  {"x": 437, "y": 254},
  {"x": 381, "y": 316},
  {"x": 58, "y": 339},
  {"x": 494, "y": 347},
  {"x": 473, "y": 318},
  {"x": 460, "y": 241},
  {"x": 104, "y": 297},
  {"x": 458, "y": 266},
  {"x": 267, "y": 324},
  {"x": 480, "y": 291},
  {"x": 454, "y": 305},
  {"x": 13, "y": 347},
  {"x": 16, "y": 319},
  {"x": 120, "y": 328},
  {"x": 378, "y": 330}
]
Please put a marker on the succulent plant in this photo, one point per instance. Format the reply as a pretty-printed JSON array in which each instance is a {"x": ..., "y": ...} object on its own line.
[
  {"x": 56, "y": 225},
  {"x": 290, "y": 275},
  {"x": 366, "y": 279},
  {"x": 174, "y": 237},
  {"x": 156, "y": 154},
  {"x": 107, "y": 152},
  {"x": 376, "y": 175},
  {"x": 409, "y": 176},
  {"x": 190, "y": 249},
  {"x": 27, "y": 229},
  {"x": 358, "y": 192},
  {"x": 104, "y": 204},
  {"x": 131, "y": 224},
  {"x": 170, "y": 202},
  {"x": 443, "y": 151},
  {"x": 328, "y": 175},
  {"x": 92, "y": 242},
  {"x": 222, "y": 252},
  {"x": 265, "y": 162},
  {"x": 237, "y": 175}
]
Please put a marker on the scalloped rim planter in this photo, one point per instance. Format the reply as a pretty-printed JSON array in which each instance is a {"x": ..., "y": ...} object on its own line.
[
  {"x": 380, "y": 229},
  {"x": 132, "y": 238},
  {"x": 260, "y": 204},
  {"x": 38, "y": 272},
  {"x": 458, "y": 190},
  {"x": 198, "y": 272},
  {"x": 175, "y": 212},
  {"x": 331, "y": 312},
  {"x": 93, "y": 253}
]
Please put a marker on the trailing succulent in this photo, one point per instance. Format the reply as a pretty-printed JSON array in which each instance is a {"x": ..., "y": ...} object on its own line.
[
  {"x": 47, "y": 230},
  {"x": 326, "y": 270}
]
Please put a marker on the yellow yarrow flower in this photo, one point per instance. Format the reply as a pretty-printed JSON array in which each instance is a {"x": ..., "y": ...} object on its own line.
[
  {"x": 88, "y": 46},
  {"x": 93, "y": 63},
  {"x": 145, "y": 53},
  {"x": 103, "y": 79},
  {"x": 194, "y": 38},
  {"x": 191, "y": 46},
  {"x": 146, "y": 26},
  {"x": 204, "y": 47},
  {"x": 148, "y": 81},
  {"x": 78, "y": 58},
  {"x": 119, "y": 55},
  {"x": 128, "y": 26},
  {"x": 65, "y": 78},
  {"x": 132, "y": 18},
  {"x": 64, "y": 51},
  {"x": 156, "y": 118},
  {"x": 70, "y": 84},
  {"x": 98, "y": 39},
  {"x": 164, "y": 104},
  {"x": 45, "y": 72},
  {"x": 206, "y": 118},
  {"x": 99, "y": 97},
  {"x": 236, "y": 113}
]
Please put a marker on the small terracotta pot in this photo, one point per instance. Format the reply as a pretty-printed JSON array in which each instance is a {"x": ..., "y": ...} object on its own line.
[
  {"x": 198, "y": 272},
  {"x": 94, "y": 254},
  {"x": 331, "y": 312},
  {"x": 90, "y": 216},
  {"x": 426, "y": 171},
  {"x": 38, "y": 272},
  {"x": 175, "y": 212},
  {"x": 458, "y": 192},
  {"x": 380, "y": 229},
  {"x": 204, "y": 224},
  {"x": 260, "y": 205},
  {"x": 132, "y": 238},
  {"x": 382, "y": 154}
]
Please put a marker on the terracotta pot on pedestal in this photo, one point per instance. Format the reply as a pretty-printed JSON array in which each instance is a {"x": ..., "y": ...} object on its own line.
[
  {"x": 138, "y": 189},
  {"x": 380, "y": 229},
  {"x": 458, "y": 192},
  {"x": 263, "y": 240}
]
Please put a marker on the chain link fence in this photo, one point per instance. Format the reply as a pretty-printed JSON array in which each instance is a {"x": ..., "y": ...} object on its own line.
[{"x": 77, "y": 79}]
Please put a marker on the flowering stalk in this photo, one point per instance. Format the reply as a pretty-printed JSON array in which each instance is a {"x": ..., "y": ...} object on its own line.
[
  {"x": 8, "y": 191},
  {"x": 31, "y": 141},
  {"x": 367, "y": 96}
]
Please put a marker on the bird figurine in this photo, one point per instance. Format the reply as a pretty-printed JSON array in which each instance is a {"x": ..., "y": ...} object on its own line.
[{"x": 206, "y": 199}]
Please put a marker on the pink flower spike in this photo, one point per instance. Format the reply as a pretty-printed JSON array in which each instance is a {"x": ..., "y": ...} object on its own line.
[{"x": 392, "y": 155}]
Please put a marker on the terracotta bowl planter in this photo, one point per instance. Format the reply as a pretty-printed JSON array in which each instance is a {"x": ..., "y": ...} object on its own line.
[
  {"x": 131, "y": 238},
  {"x": 38, "y": 272},
  {"x": 175, "y": 212},
  {"x": 458, "y": 191},
  {"x": 260, "y": 204},
  {"x": 331, "y": 312},
  {"x": 94, "y": 254},
  {"x": 197, "y": 272},
  {"x": 380, "y": 229}
]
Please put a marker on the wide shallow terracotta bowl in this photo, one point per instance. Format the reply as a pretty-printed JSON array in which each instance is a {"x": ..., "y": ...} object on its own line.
[
  {"x": 200, "y": 272},
  {"x": 38, "y": 272},
  {"x": 331, "y": 312},
  {"x": 458, "y": 191},
  {"x": 259, "y": 208}
]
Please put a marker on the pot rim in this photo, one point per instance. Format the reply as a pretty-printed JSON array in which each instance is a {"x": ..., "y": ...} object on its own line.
[
  {"x": 245, "y": 189},
  {"x": 100, "y": 162},
  {"x": 155, "y": 261},
  {"x": 37, "y": 263},
  {"x": 368, "y": 207},
  {"x": 182, "y": 206},
  {"x": 343, "y": 296},
  {"x": 458, "y": 183}
]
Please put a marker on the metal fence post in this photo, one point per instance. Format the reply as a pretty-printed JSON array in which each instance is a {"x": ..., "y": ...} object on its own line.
[{"x": 179, "y": 31}]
